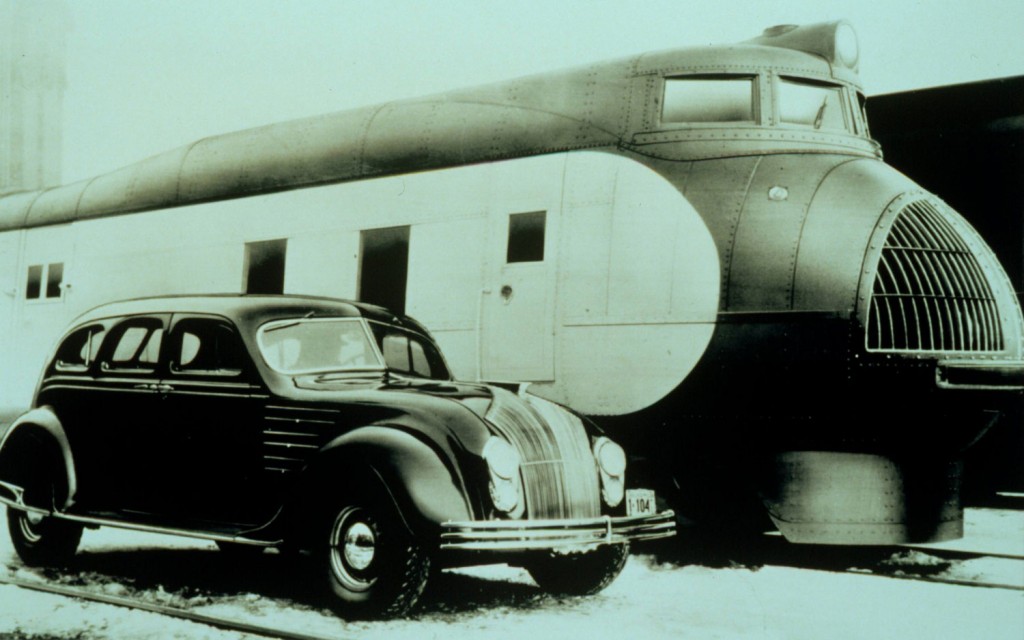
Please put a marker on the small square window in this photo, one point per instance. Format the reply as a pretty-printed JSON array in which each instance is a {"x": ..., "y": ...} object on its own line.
[
  {"x": 54, "y": 278},
  {"x": 51, "y": 274},
  {"x": 526, "y": 237},
  {"x": 33, "y": 289}
]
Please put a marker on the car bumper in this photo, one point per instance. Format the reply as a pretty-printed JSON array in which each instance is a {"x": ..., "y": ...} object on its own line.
[{"x": 525, "y": 535}]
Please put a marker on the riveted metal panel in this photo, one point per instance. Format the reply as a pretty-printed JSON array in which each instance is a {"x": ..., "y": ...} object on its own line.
[{"x": 835, "y": 235}]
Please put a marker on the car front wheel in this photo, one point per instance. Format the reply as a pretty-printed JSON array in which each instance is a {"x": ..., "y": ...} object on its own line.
[
  {"x": 374, "y": 567},
  {"x": 584, "y": 573},
  {"x": 41, "y": 540}
]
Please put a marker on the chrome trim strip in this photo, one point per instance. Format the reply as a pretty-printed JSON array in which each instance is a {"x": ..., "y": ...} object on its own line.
[
  {"x": 511, "y": 535},
  {"x": 184, "y": 533},
  {"x": 277, "y": 407},
  {"x": 291, "y": 445},
  {"x": 299, "y": 420}
]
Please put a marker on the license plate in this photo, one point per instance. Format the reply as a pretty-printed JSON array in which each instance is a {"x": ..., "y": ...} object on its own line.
[{"x": 640, "y": 502}]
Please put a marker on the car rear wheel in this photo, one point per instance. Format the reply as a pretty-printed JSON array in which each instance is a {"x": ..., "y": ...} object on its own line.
[
  {"x": 374, "y": 567},
  {"x": 579, "y": 574},
  {"x": 42, "y": 540}
]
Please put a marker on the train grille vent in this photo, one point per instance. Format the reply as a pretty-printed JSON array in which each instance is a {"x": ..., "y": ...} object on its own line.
[{"x": 930, "y": 292}]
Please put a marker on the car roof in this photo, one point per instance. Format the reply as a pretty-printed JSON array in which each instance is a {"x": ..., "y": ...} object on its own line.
[{"x": 251, "y": 307}]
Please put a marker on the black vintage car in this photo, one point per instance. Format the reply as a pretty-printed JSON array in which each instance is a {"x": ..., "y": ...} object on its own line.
[{"x": 327, "y": 428}]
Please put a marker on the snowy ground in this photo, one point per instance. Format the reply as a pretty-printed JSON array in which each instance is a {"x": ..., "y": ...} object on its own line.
[{"x": 659, "y": 595}]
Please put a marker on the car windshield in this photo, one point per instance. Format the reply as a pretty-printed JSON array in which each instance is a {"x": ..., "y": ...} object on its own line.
[{"x": 313, "y": 345}]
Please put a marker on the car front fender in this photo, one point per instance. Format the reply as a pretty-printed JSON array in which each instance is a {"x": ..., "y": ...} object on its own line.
[
  {"x": 43, "y": 423},
  {"x": 425, "y": 489}
]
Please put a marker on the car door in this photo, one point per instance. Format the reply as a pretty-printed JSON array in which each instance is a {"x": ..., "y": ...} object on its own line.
[
  {"x": 123, "y": 417},
  {"x": 214, "y": 416}
]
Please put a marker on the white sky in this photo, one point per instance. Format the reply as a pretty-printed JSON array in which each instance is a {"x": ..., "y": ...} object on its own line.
[{"x": 147, "y": 75}]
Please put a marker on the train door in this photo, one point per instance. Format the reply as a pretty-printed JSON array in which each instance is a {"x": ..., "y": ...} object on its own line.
[
  {"x": 518, "y": 303},
  {"x": 40, "y": 306}
]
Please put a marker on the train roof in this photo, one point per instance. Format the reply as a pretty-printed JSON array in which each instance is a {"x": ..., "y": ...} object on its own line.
[{"x": 608, "y": 105}]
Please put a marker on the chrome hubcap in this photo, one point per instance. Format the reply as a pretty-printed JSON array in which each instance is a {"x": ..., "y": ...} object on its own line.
[
  {"x": 360, "y": 546},
  {"x": 26, "y": 522},
  {"x": 353, "y": 549}
]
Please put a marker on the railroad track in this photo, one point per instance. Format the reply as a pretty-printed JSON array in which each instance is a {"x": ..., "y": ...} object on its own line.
[
  {"x": 883, "y": 562},
  {"x": 174, "y": 612}
]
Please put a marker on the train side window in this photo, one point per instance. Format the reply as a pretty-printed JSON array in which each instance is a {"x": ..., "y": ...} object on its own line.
[
  {"x": 526, "y": 237},
  {"x": 811, "y": 104},
  {"x": 264, "y": 266},
  {"x": 33, "y": 289},
  {"x": 708, "y": 99},
  {"x": 52, "y": 274}
]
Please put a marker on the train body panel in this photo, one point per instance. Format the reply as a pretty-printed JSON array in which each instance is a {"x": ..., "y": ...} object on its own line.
[{"x": 701, "y": 248}]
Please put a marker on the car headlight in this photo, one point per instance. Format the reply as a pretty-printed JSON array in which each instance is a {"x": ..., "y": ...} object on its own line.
[
  {"x": 503, "y": 465},
  {"x": 611, "y": 462}
]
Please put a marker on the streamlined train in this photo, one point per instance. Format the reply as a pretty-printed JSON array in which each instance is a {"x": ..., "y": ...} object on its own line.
[{"x": 701, "y": 249}]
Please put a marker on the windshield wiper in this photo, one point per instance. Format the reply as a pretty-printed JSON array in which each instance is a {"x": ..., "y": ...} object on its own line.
[
  {"x": 821, "y": 113},
  {"x": 281, "y": 326}
]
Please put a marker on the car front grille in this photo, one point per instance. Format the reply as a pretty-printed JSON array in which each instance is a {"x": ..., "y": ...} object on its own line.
[
  {"x": 560, "y": 477},
  {"x": 930, "y": 291}
]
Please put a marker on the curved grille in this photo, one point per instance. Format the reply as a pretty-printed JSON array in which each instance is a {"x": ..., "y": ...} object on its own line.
[
  {"x": 558, "y": 468},
  {"x": 930, "y": 293}
]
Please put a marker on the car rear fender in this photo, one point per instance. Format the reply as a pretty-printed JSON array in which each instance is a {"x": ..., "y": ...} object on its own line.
[
  {"x": 38, "y": 425},
  {"x": 424, "y": 490}
]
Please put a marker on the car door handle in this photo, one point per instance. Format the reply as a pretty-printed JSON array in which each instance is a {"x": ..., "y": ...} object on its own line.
[
  {"x": 147, "y": 387},
  {"x": 163, "y": 388}
]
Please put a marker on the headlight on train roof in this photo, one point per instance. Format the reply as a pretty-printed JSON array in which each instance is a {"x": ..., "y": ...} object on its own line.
[
  {"x": 847, "y": 48},
  {"x": 834, "y": 41}
]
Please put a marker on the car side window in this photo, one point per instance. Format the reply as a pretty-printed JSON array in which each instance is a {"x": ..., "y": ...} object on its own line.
[
  {"x": 207, "y": 347},
  {"x": 79, "y": 349},
  {"x": 406, "y": 353},
  {"x": 135, "y": 346}
]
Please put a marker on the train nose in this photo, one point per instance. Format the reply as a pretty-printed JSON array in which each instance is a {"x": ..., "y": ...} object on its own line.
[{"x": 931, "y": 285}]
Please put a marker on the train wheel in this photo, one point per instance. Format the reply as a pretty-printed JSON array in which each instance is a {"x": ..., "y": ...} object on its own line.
[
  {"x": 374, "y": 567},
  {"x": 41, "y": 540},
  {"x": 578, "y": 574}
]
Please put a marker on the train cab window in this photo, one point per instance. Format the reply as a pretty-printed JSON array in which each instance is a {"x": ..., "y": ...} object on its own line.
[
  {"x": 526, "y": 237},
  {"x": 811, "y": 104},
  {"x": 79, "y": 349},
  {"x": 862, "y": 104},
  {"x": 698, "y": 99}
]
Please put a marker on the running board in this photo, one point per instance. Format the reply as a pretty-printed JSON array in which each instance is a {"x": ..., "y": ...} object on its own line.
[{"x": 13, "y": 496}]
